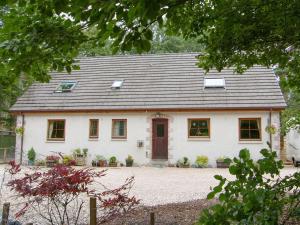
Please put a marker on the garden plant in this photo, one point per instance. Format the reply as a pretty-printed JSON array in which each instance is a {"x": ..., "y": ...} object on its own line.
[
  {"x": 59, "y": 196},
  {"x": 258, "y": 195}
]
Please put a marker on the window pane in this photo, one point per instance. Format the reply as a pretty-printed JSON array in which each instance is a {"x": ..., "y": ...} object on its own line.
[
  {"x": 245, "y": 134},
  {"x": 94, "y": 128},
  {"x": 160, "y": 130},
  {"x": 56, "y": 129},
  {"x": 253, "y": 124},
  {"x": 119, "y": 128},
  {"x": 199, "y": 128},
  {"x": 254, "y": 134},
  {"x": 204, "y": 132},
  {"x": 244, "y": 124}
]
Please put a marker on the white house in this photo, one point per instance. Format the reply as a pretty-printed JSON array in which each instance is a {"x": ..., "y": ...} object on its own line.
[{"x": 153, "y": 107}]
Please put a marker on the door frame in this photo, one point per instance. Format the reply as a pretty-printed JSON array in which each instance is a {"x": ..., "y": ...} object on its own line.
[{"x": 154, "y": 122}]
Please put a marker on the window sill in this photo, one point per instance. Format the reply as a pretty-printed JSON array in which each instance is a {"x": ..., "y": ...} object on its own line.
[
  {"x": 93, "y": 139},
  {"x": 119, "y": 139},
  {"x": 250, "y": 142},
  {"x": 55, "y": 141},
  {"x": 198, "y": 139}
]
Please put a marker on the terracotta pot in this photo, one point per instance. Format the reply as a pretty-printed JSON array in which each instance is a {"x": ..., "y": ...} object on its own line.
[{"x": 102, "y": 163}]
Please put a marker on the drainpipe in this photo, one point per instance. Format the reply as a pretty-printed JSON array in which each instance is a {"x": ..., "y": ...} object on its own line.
[
  {"x": 22, "y": 139},
  {"x": 270, "y": 133}
]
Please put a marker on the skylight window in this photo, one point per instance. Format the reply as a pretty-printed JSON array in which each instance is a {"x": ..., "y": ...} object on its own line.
[
  {"x": 65, "y": 86},
  {"x": 117, "y": 84},
  {"x": 214, "y": 82}
]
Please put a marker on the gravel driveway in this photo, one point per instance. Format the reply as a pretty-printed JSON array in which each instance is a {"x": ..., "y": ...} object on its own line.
[{"x": 156, "y": 186}]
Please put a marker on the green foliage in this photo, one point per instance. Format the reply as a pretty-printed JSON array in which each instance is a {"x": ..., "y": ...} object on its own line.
[
  {"x": 201, "y": 161},
  {"x": 67, "y": 159},
  {"x": 184, "y": 162},
  {"x": 129, "y": 158},
  {"x": 113, "y": 159},
  {"x": 290, "y": 117},
  {"x": 85, "y": 151},
  {"x": 31, "y": 154},
  {"x": 19, "y": 130},
  {"x": 37, "y": 36},
  {"x": 224, "y": 159},
  {"x": 257, "y": 195},
  {"x": 100, "y": 157}
]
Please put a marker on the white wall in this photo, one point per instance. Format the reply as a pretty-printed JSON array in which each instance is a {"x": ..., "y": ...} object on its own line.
[{"x": 224, "y": 140}]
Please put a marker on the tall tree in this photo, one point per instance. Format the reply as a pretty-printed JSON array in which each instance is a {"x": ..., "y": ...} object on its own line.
[
  {"x": 42, "y": 35},
  {"x": 161, "y": 43}
]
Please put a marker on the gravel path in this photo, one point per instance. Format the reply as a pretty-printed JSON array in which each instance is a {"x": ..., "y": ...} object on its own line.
[{"x": 157, "y": 186}]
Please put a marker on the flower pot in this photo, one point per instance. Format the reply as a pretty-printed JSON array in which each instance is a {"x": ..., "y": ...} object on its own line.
[
  {"x": 129, "y": 163},
  {"x": 102, "y": 163},
  {"x": 31, "y": 162},
  {"x": 51, "y": 163},
  {"x": 185, "y": 166},
  {"x": 221, "y": 164},
  {"x": 80, "y": 160},
  {"x": 113, "y": 164}
]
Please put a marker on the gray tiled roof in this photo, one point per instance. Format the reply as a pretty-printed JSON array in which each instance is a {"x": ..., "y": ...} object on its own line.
[{"x": 167, "y": 81}]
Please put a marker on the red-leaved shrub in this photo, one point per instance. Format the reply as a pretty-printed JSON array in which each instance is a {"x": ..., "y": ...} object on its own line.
[{"x": 59, "y": 195}]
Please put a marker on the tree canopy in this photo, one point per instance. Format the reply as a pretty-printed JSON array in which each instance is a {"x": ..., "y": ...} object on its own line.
[
  {"x": 42, "y": 35},
  {"x": 38, "y": 36}
]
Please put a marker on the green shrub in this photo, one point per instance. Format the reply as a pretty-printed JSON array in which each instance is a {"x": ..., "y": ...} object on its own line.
[
  {"x": 183, "y": 162},
  {"x": 201, "y": 161},
  {"x": 67, "y": 159},
  {"x": 129, "y": 158},
  {"x": 85, "y": 151},
  {"x": 31, "y": 154},
  {"x": 100, "y": 157},
  {"x": 77, "y": 151},
  {"x": 257, "y": 195},
  {"x": 112, "y": 159}
]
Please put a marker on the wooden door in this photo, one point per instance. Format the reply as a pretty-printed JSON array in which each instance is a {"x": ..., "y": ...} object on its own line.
[{"x": 160, "y": 138}]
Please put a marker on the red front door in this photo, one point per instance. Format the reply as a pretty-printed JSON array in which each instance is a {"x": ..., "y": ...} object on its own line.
[{"x": 160, "y": 138}]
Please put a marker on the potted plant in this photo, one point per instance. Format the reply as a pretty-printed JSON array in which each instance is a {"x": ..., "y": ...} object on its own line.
[
  {"x": 129, "y": 161},
  {"x": 201, "y": 161},
  {"x": 271, "y": 129},
  {"x": 183, "y": 163},
  {"x": 223, "y": 162},
  {"x": 113, "y": 161},
  {"x": 68, "y": 160},
  {"x": 31, "y": 156},
  {"x": 79, "y": 157},
  {"x": 40, "y": 162},
  {"x": 101, "y": 161},
  {"x": 85, "y": 152},
  {"x": 52, "y": 160}
]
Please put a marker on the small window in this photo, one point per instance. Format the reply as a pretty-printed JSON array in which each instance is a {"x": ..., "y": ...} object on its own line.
[
  {"x": 160, "y": 130},
  {"x": 199, "y": 128},
  {"x": 117, "y": 84},
  {"x": 250, "y": 129},
  {"x": 94, "y": 128},
  {"x": 56, "y": 130},
  {"x": 65, "y": 86},
  {"x": 119, "y": 129},
  {"x": 214, "y": 82}
]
